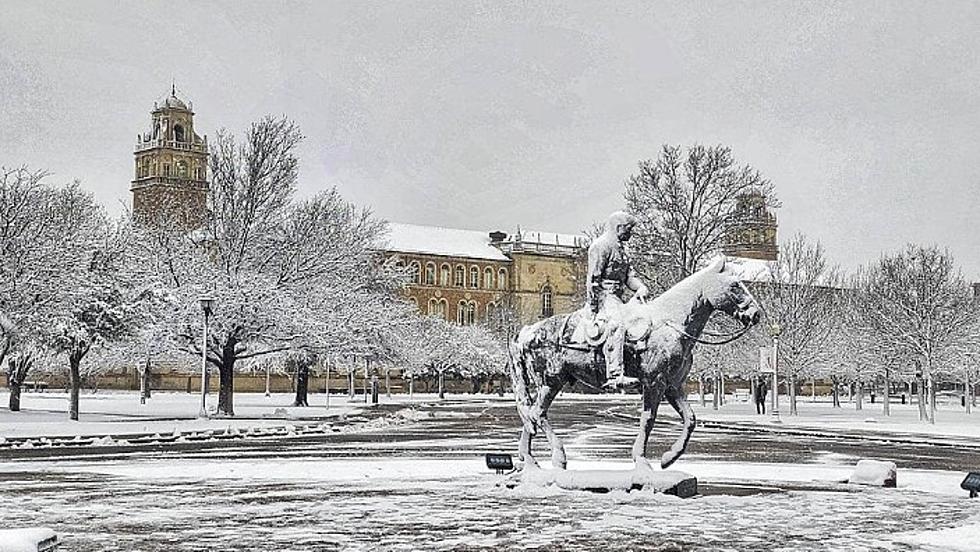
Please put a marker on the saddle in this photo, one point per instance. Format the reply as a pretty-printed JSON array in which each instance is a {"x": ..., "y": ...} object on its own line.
[{"x": 583, "y": 331}]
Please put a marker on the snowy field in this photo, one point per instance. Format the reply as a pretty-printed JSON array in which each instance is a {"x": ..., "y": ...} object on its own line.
[{"x": 422, "y": 485}]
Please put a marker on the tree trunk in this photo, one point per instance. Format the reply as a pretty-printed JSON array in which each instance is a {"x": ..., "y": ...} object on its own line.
[
  {"x": 388, "y": 382},
  {"x": 411, "y": 388},
  {"x": 17, "y": 369},
  {"x": 75, "y": 383},
  {"x": 226, "y": 379},
  {"x": 886, "y": 407},
  {"x": 835, "y": 391},
  {"x": 920, "y": 397},
  {"x": 302, "y": 384},
  {"x": 858, "y": 395},
  {"x": 145, "y": 379},
  {"x": 969, "y": 394},
  {"x": 714, "y": 394},
  {"x": 442, "y": 388},
  {"x": 931, "y": 388},
  {"x": 792, "y": 394},
  {"x": 701, "y": 389}
]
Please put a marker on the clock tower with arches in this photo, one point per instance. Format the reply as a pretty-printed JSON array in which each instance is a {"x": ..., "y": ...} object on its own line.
[{"x": 170, "y": 185}]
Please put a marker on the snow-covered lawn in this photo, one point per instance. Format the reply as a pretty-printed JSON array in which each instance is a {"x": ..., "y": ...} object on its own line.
[
  {"x": 951, "y": 420},
  {"x": 120, "y": 413}
]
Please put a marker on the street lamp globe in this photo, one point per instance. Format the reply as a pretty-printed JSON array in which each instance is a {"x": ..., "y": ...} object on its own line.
[
  {"x": 207, "y": 305},
  {"x": 775, "y": 330}
]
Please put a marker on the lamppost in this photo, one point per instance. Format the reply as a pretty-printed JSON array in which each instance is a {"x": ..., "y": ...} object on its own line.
[
  {"x": 774, "y": 331},
  {"x": 207, "y": 305}
]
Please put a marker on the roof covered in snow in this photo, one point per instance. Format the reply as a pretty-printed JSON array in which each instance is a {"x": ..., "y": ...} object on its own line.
[
  {"x": 548, "y": 238},
  {"x": 436, "y": 240}
]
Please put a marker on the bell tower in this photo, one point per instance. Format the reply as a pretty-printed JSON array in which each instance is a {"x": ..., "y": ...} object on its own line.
[
  {"x": 751, "y": 233},
  {"x": 170, "y": 185}
]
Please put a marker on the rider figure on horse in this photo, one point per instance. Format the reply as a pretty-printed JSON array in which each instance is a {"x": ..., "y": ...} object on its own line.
[{"x": 610, "y": 274}]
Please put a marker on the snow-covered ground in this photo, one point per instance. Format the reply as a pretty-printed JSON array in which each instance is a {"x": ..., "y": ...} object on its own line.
[
  {"x": 424, "y": 486},
  {"x": 952, "y": 421},
  {"x": 120, "y": 413}
]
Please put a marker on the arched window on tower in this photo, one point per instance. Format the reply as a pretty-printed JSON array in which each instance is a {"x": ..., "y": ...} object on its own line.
[
  {"x": 488, "y": 278},
  {"x": 444, "y": 271},
  {"x": 178, "y": 133},
  {"x": 460, "y": 280},
  {"x": 474, "y": 276},
  {"x": 546, "y": 307},
  {"x": 182, "y": 169},
  {"x": 430, "y": 274}
]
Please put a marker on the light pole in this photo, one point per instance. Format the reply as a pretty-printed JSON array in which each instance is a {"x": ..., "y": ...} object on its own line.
[
  {"x": 774, "y": 331},
  {"x": 207, "y": 305},
  {"x": 268, "y": 368}
]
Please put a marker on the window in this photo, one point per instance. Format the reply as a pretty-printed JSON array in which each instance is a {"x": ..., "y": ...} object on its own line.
[
  {"x": 444, "y": 275},
  {"x": 546, "y": 307},
  {"x": 430, "y": 274},
  {"x": 178, "y": 133},
  {"x": 182, "y": 169},
  {"x": 437, "y": 307},
  {"x": 460, "y": 276},
  {"x": 466, "y": 313},
  {"x": 443, "y": 308},
  {"x": 415, "y": 272},
  {"x": 491, "y": 312},
  {"x": 414, "y": 301},
  {"x": 461, "y": 313},
  {"x": 166, "y": 169},
  {"x": 474, "y": 276},
  {"x": 488, "y": 278},
  {"x": 502, "y": 279}
]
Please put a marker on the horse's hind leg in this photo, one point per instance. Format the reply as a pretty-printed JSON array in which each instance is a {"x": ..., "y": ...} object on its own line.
[
  {"x": 524, "y": 448},
  {"x": 676, "y": 399},
  {"x": 651, "y": 402}
]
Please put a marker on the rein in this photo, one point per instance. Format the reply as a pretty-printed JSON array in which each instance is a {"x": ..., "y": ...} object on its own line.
[{"x": 728, "y": 339}]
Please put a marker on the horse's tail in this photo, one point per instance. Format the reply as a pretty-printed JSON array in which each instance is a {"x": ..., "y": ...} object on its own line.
[{"x": 520, "y": 378}]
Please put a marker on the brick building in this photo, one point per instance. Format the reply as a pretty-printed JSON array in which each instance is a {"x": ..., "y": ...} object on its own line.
[{"x": 469, "y": 276}]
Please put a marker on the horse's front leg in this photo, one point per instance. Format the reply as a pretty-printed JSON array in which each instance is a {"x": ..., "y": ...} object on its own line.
[
  {"x": 652, "y": 393},
  {"x": 676, "y": 399},
  {"x": 550, "y": 391}
]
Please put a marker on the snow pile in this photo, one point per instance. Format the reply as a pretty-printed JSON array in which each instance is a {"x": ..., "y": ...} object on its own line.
[
  {"x": 24, "y": 540},
  {"x": 957, "y": 539},
  {"x": 640, "y": 476},
  {"x": 875, "y": 472}
]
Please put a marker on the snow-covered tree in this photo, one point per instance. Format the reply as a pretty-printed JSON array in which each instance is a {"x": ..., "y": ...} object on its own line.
[
  {"x": 917, "y": 305},
  {"x": 801, "y": 297},
  {"x": 684, "y": 202}
]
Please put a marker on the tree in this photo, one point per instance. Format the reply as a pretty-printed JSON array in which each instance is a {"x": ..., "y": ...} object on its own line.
[
  {"x": 684, "y": 204},
  {"x": 281, "y": 272},
  {"x": 801, "y": 296},
  {"x": 918, "y": 306}
]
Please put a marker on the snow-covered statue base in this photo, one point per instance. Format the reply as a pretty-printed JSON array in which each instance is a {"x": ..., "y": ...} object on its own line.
[
  {"x": 666, "y": 330},
  {"x": 641, "y": 478}
]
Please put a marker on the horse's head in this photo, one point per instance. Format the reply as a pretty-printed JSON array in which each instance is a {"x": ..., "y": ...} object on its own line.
[{"x": 728, "y": 294}]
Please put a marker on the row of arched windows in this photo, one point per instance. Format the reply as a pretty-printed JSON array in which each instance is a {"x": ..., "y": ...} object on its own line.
[
  {"x": 466, "y": 311},
  {"x": 458, "y": 277}
]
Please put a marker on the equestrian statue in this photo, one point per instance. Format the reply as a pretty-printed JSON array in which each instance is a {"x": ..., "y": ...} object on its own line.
[{"x": 612, "y": 342}]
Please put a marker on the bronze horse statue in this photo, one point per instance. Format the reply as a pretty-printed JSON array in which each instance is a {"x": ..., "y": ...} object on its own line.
[{"x": 661, "y": 338}]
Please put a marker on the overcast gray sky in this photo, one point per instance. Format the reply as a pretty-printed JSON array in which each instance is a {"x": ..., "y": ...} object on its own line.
[{"x": 488, "y": 115}]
